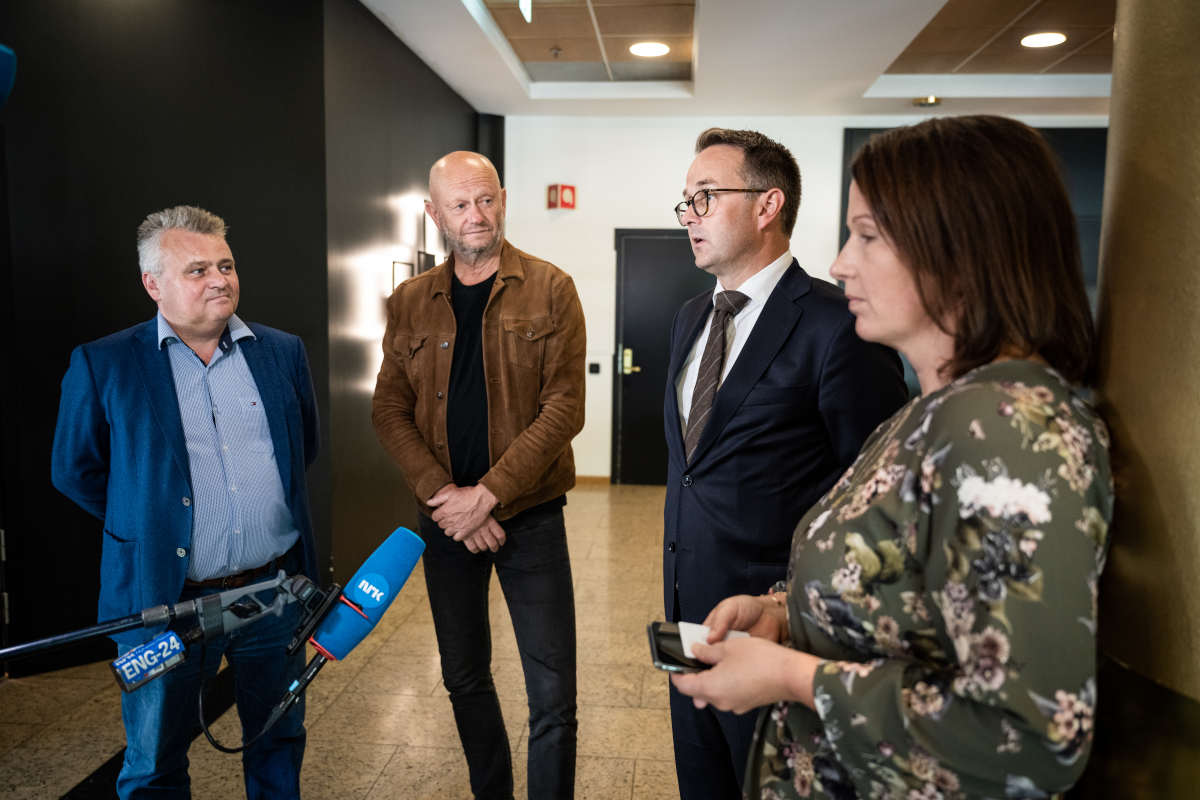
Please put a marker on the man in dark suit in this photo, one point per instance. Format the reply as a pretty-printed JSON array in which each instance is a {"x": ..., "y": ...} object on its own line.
[
  {"x": 189, "y": 436},
  {"x": 770, "y": 394}
]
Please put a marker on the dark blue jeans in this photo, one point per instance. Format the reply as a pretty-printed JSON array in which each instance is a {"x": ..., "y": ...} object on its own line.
[
  {"x": 535, "y": 576},
  {"x": 161, "y": 718}
]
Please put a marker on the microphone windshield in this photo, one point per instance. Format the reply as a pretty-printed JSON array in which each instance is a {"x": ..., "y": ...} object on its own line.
[{"x": 368, "y": 594}]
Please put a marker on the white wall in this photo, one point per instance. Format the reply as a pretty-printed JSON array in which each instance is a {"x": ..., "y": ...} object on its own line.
[{"x": 629, "y": 173}]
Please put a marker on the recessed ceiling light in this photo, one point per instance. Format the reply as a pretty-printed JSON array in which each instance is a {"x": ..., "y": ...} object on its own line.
[
  {"x": 649, "y": 49},
  {"x": 1043, "y": 39},
  {"x": 927, "y": 100}
]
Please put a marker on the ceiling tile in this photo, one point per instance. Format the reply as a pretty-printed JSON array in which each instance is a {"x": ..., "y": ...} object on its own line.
[
  {"x": 646, "y": 70},
  {"x": 647, "y": 20},
  {"x": 1007, "y": 55},
  {"x": 599, "y": 4},
  {"x": 617, "y": 48},
  {"x": 1096, "y": 57},
  {"x": 1056, "y": 14},
  {"x": 572, "y": 49},
  {"x": 547, "y": 23},
  {"x": 978, "y": 13},
  {"x": 962, "y": 27},
  {"x": 566, "y": 70}
]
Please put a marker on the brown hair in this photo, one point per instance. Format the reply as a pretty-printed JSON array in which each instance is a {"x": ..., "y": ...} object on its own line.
[
  {"x": 976, "y": 207},
  {"x": 766, "y": 165}
]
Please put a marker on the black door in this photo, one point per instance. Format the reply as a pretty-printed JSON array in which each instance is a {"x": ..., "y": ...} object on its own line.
[{"x": 656, "y": 273}]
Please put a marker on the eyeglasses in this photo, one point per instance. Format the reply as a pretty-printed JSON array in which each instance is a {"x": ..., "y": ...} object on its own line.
[{"x": 701, "y": 201}]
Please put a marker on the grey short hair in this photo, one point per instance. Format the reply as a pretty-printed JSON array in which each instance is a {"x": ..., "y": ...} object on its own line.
[{"x": 188, "y": 218}]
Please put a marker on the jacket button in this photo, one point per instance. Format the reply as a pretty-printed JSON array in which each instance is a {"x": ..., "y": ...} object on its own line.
[
  {"x": 439, "y": 395},
  {"x": 445, "y": 345},
  {"x": 179, "y": 551},
  {"x": 671, "y": 547},
  {"x": 686, "y": 480},
  {"x": 187, "y": 501},
  {"x": 529, "y": 333},
  {"x": 441, "y": 446}
]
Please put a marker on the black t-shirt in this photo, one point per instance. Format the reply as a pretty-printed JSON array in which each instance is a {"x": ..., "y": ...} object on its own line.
[{"x": 466, "y": 411}]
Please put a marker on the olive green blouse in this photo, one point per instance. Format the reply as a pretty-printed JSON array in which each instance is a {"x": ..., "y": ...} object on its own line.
[{"x": 949, "y": 581}]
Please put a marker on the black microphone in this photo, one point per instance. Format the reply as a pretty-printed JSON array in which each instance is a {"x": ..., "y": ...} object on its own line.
[{"x": 205, "y": 618}]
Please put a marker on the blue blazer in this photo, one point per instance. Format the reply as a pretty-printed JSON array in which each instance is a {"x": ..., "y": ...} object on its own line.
[
  {"x": 119, "y": 453},
  {"x": 789, "y": 418}
]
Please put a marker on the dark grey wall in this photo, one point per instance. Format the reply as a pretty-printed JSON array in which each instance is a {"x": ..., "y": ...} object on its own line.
[
  {"x": 388, "y": 118},
  {"x": 122, "y": 107},
  {"x": 245, "y": 107}
]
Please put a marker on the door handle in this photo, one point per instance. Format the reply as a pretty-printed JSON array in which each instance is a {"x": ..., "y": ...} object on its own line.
[{"x": 627, "y": 366}]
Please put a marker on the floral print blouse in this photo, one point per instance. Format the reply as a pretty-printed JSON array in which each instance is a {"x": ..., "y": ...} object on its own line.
[{"x": 949, "y": 581}]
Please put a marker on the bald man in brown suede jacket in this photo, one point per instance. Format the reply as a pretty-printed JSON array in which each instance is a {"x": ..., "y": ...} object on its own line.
[{"x": 479, "y": 396}]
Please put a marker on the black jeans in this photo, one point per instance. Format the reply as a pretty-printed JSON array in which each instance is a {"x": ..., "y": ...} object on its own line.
[{"x": 535, "y": 576}]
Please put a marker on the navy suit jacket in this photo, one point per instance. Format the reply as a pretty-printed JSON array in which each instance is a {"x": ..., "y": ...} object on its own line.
[
  {"x": 119, "y": 453},
  {"x": 789, "y": 418}
]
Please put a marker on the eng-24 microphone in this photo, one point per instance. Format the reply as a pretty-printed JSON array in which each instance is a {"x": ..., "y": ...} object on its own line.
[{"x": 367, "y": 596}]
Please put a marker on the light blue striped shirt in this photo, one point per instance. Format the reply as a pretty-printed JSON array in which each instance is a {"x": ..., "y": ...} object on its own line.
[{"x": 240, "y": 518}]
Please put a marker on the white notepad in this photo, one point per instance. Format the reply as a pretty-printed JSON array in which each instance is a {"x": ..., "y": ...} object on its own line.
[{"x": 691, "y": 633}]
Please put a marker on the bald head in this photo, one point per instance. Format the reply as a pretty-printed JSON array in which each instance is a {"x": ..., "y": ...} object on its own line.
[
  {"x": 461, "y": 166},
  {"x": 467, "y": 203}
]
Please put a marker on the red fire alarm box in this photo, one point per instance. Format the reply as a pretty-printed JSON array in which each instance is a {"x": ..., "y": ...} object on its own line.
[{"x": 560, "y": 195}]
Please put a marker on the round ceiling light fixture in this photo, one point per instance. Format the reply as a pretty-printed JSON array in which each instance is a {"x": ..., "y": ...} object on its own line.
[
  {"x": 1047, "y": 39},
  {"x": 649, "y": 49}
]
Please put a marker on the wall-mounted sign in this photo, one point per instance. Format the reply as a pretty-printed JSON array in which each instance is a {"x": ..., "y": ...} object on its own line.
[{"x": 560, "y": 195}]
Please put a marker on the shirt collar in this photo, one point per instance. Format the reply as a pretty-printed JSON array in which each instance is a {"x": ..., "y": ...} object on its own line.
[
  {"x": 235, "y": 330},
  {"x": 758, "y": 287},
  {"x": 510, "y": 267}
]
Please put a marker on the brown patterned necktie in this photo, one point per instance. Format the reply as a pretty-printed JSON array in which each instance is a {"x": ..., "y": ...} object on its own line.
[{"x": 726, "y": 305}]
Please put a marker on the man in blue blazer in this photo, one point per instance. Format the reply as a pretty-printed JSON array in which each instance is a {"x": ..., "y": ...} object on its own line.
[
  {"x": 770, "y": 394},
  {"x": 189, "y": 436}
]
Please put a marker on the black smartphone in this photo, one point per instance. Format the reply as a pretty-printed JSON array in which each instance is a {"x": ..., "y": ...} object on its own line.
[{"x": 666, "y": 649}]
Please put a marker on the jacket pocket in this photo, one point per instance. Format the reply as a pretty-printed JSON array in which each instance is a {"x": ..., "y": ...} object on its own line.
[
  {"x": 120, "y": 576},
  {"x": 525, "y": 340},
  {"x": 411, "y": 344}
]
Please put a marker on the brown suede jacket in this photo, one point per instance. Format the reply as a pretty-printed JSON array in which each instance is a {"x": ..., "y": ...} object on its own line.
[{"x": 533, "y": 360}]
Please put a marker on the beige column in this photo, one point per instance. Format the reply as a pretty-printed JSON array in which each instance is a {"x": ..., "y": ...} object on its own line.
[
  {"x": 1147, "y": 728},
  {"x": 1149, "y": 323}
]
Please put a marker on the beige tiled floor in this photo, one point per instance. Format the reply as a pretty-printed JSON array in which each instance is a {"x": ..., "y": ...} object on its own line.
[{"x": 390, "y": 733}]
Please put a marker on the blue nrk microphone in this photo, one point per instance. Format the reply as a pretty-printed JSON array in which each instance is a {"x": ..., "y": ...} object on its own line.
[{"x": 367, "y": 595}]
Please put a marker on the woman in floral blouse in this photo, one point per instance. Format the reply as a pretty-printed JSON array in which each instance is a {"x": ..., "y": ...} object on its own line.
[{"x": 937, "y": 637}]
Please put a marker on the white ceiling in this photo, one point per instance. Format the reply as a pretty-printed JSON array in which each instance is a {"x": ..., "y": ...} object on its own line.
[{"x": 752, "y": 57}]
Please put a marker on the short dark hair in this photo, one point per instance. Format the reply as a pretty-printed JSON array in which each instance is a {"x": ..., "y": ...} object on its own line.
[
  {"x": 977, "y": 208},
  {"x": 766, "y": 164}
]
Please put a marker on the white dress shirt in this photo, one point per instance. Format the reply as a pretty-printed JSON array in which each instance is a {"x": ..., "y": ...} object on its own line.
[{"x": 758, "y": 288}]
